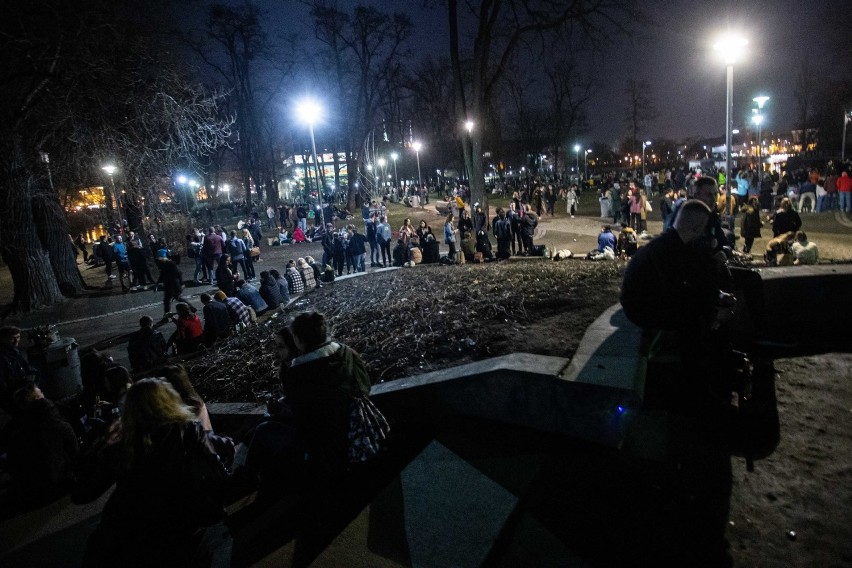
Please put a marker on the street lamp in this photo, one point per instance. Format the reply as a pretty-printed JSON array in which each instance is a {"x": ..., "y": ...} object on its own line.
[
  {"x": 577, "y": 153},
  {"x": 110, "y": 170},
  {"x": 394, "y": 157},
  {"x": 309, "y": 112},
  {"x": 382, "y": 162},
  {"x": 417, "y": 147},
  {"x": 468, "y": 125},
  {"x": 758, "y": 120},
  {"x": 586, "y": 163},
  {"x": 645, "y": 144},
  {"x": 730, "y": 46}
]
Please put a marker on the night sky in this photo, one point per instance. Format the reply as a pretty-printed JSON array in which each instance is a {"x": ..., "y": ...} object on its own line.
[{"x": 672, "y": 51}]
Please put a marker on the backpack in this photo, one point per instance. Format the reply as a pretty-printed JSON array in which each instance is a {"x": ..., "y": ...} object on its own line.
[{"x": 236, "y": 247}]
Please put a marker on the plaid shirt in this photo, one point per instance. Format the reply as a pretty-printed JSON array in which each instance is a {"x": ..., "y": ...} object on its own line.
[{"x": 237, "y": 310}]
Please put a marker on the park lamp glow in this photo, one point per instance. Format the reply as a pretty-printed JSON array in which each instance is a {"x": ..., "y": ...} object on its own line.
[
  {"x": 394, "y": 156},
  {"x": 761, "y": 100},
  {"x": 646, "y": 143},
  {"x": 308, "y": 111},
  {"x": 468, "y": 125},
  {"x": 382, "y": 162},
  {"x": 417, "y": 146},
  {"x": 757, "y": 119},
  {"x": 576, "y": 147},
  {"x": 731, "y": 46},
  {"x": 109, "y": 169},
  {"x": 181, "y": 180}
]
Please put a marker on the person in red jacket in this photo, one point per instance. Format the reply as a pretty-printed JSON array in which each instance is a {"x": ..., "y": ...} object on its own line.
[
  {"x": 844, "y": 187},
  {"x": 189, "y": 333}
]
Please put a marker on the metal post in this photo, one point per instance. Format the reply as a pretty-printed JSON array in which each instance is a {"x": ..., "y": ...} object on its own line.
[
  {"x": 846, "y": 119},
  {"x": 759, "y": 152},
  {"x": 419, "y": 178},
  {"x": 316, "y": 167},
  {"x": 729, "y": 111}
]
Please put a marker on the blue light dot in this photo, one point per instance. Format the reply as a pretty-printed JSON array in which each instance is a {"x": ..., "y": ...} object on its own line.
[{"x": 620, "y": 408}]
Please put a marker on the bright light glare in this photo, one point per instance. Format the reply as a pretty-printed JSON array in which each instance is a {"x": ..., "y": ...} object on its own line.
[
  {"x": 417, "y": 146},
  {"x": 109, "y": 169},
  {"x": 382, "y": 162},
  {"x": 761, "y": 100},
  {"x": 226, "y": 187},
  {"x": 468, "y": 125},
  {"x": 731, "y": 46},
  {"x": 181, "y": 179},
  {"x": 647, "y": 142},
  {"x": 394, "y": 156},
  {"x": 576, "y": 147},
  {"x": 309, "y": 111},
  {"x": 757, "y": 119}
]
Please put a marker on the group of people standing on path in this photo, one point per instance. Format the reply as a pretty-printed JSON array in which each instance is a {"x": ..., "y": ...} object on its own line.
[{"x": 513, "y": 228}]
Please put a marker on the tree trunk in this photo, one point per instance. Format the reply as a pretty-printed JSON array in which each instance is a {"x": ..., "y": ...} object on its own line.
[{"x": 52, "y": 228}]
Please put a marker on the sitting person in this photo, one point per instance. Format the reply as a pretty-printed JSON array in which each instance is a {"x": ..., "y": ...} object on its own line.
[
  {"x": 239, "y": 313},
  {"x": 626, "y": 244},
  {"x": 778, "y": 250},
  {"x": 295, "y": 282},
  {"x": 189, "y": 334},
  {"x": 298, "y": 235},
  {"x": 283, "y": 288},
  {"x": 168, "y": 479},
  {"x": 41, "y": 448},
  {"x": 217, "y": 320},
  {"x": 250, "y": 296},
  {"x": 415, "y": 255},
  {"x": 270, "y": 291},
  {"x": 284, "y": 237},
  {"x": 468, "y": 246},
  {"x": 307, "y": 273},
  {"x": 400, "y": 253},
  {"x": 146, "y": 347},
  {"x": 606, "y": 245},
  {"x": 431, "y": 250},
  {"x": 803, "y": 250},
  {"x": 483, "y": 245},
  {"x": 318, "y": 269}
]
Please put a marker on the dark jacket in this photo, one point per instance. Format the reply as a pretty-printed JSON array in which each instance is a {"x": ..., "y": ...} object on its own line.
[
  {"x": 170, "y": 276},
  {"x": 356, "y": 244},
  {"x": 480, "y": 223},
  {"x": 161, "y": 499},
  {"x": 431, "y": 252},
  {"x": 217, "y": 321},
  {"x": 319, "y": 391},
  {"x": 146, "y": 349},
  {"x": 271, "y": 292},
  {"x": 225, "y": 279},
  {"x": 785, "y": 222}
]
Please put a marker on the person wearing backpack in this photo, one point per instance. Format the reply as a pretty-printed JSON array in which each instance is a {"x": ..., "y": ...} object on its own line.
[
  {"x": 383, "y": 238},
  {"x": 237, "y": 250}
]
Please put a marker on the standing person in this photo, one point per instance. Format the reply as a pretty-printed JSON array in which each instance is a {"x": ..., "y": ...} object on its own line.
[
  {"x": 572, "y": 201},
  {"x": 372, "y": 239},
  {"x": 515, "y": 215},
  {"x": 168, "y": 478},
  {"x": 357, "y": 250},
  {"x": 450, "y": 237},
  {"x": 15, "y": 370},
  {"x": 465, "y": 224},
  {"x": 667, "y": 201},
  {"x": 751, "y": 223},
  {"x": 502, "y": 228},
  {"x": 844, "y": 191},
  {"x": 636, "y": 208},
  {"x": 383, "y": 238},
  {"x": 328, "y": 244},
  {"x": 212, "y": 248},
  {"x": 339, "y": 255},
  {"x": 193, "y": 250},
  {"x": 248, "y": 258},
  {"x": 138, "y": 263},
  {"x": 171, "y": 280},
  {"x": 302, "y": 217},
  {"x": 672, "y": 270},
  {"x": 107, "y": 255},
  {"x": 528, "y": 225},
  {"x": 480, "y": 223},
  {"x": 270, "y": 214},
  {"x": 237, "y": 250},
  {"x": 80, "y": 243},
  {"x": 122, "y": 262}
]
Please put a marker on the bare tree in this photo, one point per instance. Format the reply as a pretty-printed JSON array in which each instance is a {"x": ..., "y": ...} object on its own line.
[
  {"x": 639, "y": 110},
  {"x": 502, "y": 30},
  {"x": 569, "y": 93}
]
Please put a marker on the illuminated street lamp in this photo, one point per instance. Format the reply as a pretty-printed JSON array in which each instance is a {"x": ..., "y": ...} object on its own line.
[
  {"x": 731, "y": 47},
  {"x": 645, "y": 144},
  {"x": 468, "y": 125},
  {"x": 586, "y": 163},
  {"x": 382, "y": 163},
  {"x": 417, "y": 146},
  {"x": 394, "y": 157},
  {"x": 758, "y": 120},
  {"x": 110, "y": 170},
  {"x": 309, "y": 112}
]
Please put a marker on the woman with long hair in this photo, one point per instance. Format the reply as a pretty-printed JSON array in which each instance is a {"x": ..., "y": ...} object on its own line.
[
  {"x": 169, "y": 483},
  {"x": 450, "y": 237}
]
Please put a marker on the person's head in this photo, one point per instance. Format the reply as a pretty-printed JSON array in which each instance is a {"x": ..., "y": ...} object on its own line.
[
  {"x": 26, "y": 394},
  {"x": 205, "y": 298},
  {"x": 118, "y": 238},
  {"x": 382, "y": 219},
  {"x": 117, "y": 381},
  {"x": 146, "y": 322},
  {"x": 705, "y": 190},
  {"x": 477, "y": 206},
  {"x": 240, "y": 283},
  {"x": 285, "y": 347},
  {"x": 407, "y": 222},
  {"x": 801, "y": 237},
  {"x": 233, "y": 234},
  {"x": 309, "y": 331},
  {"x": 182, "y": 309},
  {"x": 691, "y": 220},
  {"x": 178, "y": 378},
  {"x": 10, "y": 336},
  {"x": 224, "y": 260},
  {"x": 150, "y": 404},
  {"x": 754, "y": 201},
  {"x": 220, "y": 296},
  {"x": 309, "y": 259},
  {"x": 275, "y": 274},
  {"x": 607, "y": 229},
  {"x": 423, "y": 224},
  {"x": 449, "y": 218},
  {"x": 786, "y": 205}
]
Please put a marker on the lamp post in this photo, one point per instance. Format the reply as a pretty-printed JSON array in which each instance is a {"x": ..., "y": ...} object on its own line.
[
  {"x": 417, "y": 147},
  {"x": 645, "y": 144},
  {"x": 586, "y": 163},
  {"x": 309, "y": 112},
  {"x": 758, "y": 119},
  {"x": 382, "y": 163},
  {"x": 394, "y": 157},
  {"x": 110, "y": 170},
  {"x": 847, "y": 117},
  {"x": 577, "y": 154},
  {"x": 731, "y": 46}
]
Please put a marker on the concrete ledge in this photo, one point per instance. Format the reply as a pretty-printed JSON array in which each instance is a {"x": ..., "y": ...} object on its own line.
[{"x": 591, "y": 398}]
